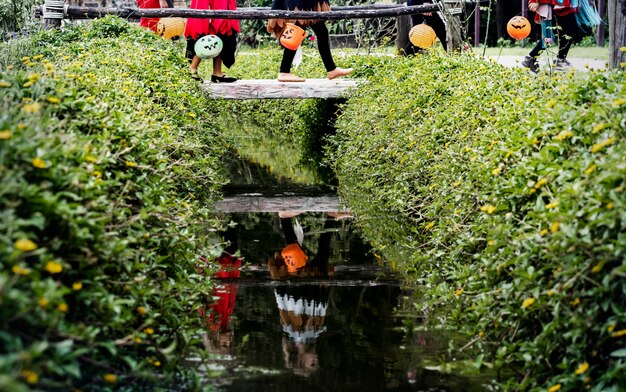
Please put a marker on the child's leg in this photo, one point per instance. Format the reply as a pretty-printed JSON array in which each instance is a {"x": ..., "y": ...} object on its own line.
[{"x": 323, "y": 45}]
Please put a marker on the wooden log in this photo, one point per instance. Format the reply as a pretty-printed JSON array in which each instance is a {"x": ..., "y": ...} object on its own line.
[
  {"x": 276, "y": 204},
  {"x": 74, "y": 12},
  {"x": 273, "y": 89}
]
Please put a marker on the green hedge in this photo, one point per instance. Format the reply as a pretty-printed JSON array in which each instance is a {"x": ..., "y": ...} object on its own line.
[
  {"x": 503, "y": 194},
  {"x": 109, "y": 164}
]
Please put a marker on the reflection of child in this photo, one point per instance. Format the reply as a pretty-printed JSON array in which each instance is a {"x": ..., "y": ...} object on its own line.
[
  {"x": 218, "y": 318},
  {"x": 226, "y": 29},
  {"x": 302, "y": 311},
  {"x": 292, "y": 259}
]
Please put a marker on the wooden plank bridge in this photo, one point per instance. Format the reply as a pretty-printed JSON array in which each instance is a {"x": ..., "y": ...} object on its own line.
[{"x": 273, "y": 89}]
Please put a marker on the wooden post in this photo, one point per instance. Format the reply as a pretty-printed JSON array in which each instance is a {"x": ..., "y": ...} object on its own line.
[
  {"x": 403, "y": 26},
  {"x": 53, "y": 12},
  {"x": 600, "y": 30},
  {"x": 477, "y": 25},
  {"x": 617, "y": 33},
  {"x": 453, "y": 24}
]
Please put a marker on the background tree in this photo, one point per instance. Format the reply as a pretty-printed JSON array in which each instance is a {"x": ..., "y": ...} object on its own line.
[{"x": 617, "y": 32}]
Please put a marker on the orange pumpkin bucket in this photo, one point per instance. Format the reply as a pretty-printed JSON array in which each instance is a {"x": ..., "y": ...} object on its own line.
[
  {"x": 518, "y": 27},
  {"x": 292, "y": 36},
  {"x": 423, "y": 36},
  {"x": 294, "y": 256}
]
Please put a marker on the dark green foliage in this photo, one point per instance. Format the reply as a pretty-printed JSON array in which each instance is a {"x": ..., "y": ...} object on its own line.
[
  {"x": 109, "y": 166},
  {"x": 505, "y": 193}
]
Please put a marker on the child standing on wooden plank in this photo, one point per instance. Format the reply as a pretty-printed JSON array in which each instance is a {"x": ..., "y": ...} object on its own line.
[
  {"x": 225, "y": 29},
  {"x": 319, "y": 28}
]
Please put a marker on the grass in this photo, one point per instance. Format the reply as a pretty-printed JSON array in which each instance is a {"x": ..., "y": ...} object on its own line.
[{"x": 593, "y": 52}]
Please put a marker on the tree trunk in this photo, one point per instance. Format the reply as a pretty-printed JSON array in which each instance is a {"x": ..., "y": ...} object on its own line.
[
  {"x": 453, "y": 25},
  {"x": 617, "y": 33},
  {"x": 403, "y": 25}
]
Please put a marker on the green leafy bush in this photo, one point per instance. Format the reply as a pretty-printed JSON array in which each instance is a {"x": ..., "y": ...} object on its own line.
[
  {"x": 504, "y": 195},
  {"x": 109, "y": 163}
]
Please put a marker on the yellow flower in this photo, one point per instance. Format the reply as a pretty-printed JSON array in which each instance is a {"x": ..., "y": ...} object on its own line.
[
  {"x": 491, "y": 242},
  {"x": 6, "y": 134},
  {"x": 43, "y": 303},
  {"x": 33, "y": 77},
  {"x": 96, "y": 173},
  {"x": 53, "y": 267},
  {"x": 555, "y": 227},
  {"x": 4, "y": 83},
  {"x": 550, "y": 104},
  {"x": 575, "y": 302},
  {"x": 532, "y": 190},
  {"x": 611, "y": 327},
  {"x": 619, "y": 333},
  {"x": 110, "y": 378},
  {"x": 429, "y": 226},
  {"x": 142, "y": 310},
  {"x": 528, "y": 302},
  {"x": 76, "y": 286},
  {"x": 489, "y": 209},
  {"x": 598, "y": 267},
  {"x": 29, "y": 376},
  {"x": 149, "y": 331},
  {"x": 564, "y": 135},
  {"x": 554, "y": 204},
  {"x": 609, "y": 206},
  {"x": 54, "y": 99},
  {"x": 458, "y": 292},
  {"x": 598, "y": 127},
  {"x": 541, "y": 183},
  {"x": 130, "y": 164},
  {"x": 582, "y": 368},
  {"x": 496, "y": 171},
  {"x": 156, "y": 363},
  {"x": 91, "y": 158},
  {"x": 38, "y": 57},
  {"x": 38, "y": 163},
  {"x": 551, "y": 293},
  {"x": 19, "y": 270},
  {"x": 619, "y": 102},
  {"x": 599, "y": 146},
  {"x": 590, "y": 169},
  {"x": 25, "y": 245},
  {"x": 554, "y": 388},
  {"x": 543, "y": 232},
  {"x": 31, "y": 107},
  {"x": 63, "y": 308}
]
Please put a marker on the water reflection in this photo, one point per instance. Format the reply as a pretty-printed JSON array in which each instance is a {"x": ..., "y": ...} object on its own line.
[{"x": 311, "y": 309}]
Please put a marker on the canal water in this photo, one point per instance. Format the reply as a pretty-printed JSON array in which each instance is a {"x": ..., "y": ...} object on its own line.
[{"x": 348, "y": 324}]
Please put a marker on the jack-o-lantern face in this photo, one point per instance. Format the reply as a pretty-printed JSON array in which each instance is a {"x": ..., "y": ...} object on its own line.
[
  {"x": 518, "y": 27},
  {"x": 208, "y": 47},
  {"x": 292, "y": 36}
]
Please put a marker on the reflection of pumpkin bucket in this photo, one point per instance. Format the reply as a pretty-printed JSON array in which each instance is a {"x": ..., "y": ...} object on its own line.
[
  {"x": 171, "y": 27},
  {"x": 423, "y": 36},
  {"x": 294, "y": 257},
  {"x": 292, "y": 36}
]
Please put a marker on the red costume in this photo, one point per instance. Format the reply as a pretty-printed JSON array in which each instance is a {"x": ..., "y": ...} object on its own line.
[
  {"x": 196, "y": 27},
  {"x": 150, "y": 23}
]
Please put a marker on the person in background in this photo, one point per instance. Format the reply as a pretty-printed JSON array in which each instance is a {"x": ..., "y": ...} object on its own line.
[
  {"x": 225, "y": 29},
  {"x": 151, "y": 23},
  {"x": 276, "y": 26},
  {"x": 573, "y": 21},
  {"x": 432, "y": 19}
]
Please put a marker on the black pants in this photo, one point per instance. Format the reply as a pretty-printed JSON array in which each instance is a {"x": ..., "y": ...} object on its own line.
[
  {"x": 323, "y": 46},
  {"x": 567, "y": 34}
]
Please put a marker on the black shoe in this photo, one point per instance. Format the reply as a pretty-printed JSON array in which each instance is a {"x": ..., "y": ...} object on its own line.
[
  {"x": 222, "y": 79},
  {"x": 195, "y": 76},
  {"x": 531, "y": 63}
]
